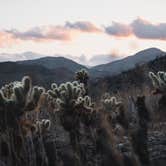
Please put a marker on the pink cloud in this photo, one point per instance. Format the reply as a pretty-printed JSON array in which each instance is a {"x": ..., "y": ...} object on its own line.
[
  {"x": 140, "y": 28},
  {"x": 84, "y": 26},
  {"x": 147, "y": 30},
  {"x": 58, "y": 33},
  {"x": 6, "y": 40},
  {"x": 119, "y": 30},
  {"x": 44, "y": 33}
]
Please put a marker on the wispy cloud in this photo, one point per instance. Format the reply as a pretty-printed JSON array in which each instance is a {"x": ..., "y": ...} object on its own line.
[
  {"x": 105, "y": 58},
  {"x": 119, "y": 29},
  {"x": 147, "y": 30},
  {"x": 140, "y": 28},
  {"x": 44, "y": 33},
  {"x": 6, "y": 40},
  {"x": 57, "y": 32},
  {"x": 83, "y": 26}
]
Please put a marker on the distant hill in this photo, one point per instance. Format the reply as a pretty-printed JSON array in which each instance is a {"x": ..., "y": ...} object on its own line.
[
  {"x": 127, "y": 63},
  {"x": 46, "y": 70},
  {"x": 128, "y": 81},
  {"x": 43, "y": 71},
  {"x": 11, "y": 71},
  {"x": 54, "y": 63}
]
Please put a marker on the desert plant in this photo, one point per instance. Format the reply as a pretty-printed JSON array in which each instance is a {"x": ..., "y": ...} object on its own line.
[
  {"x": 22, "y": 98},
  {"x": 82, "y": 76},
  {"x": 158, "y": 81},
  {"x": 42, "y": 126},
  {"x": 110, "y": 103},
  {"x": 85, "y": 103},
  {"x": 140, "y": 134},
  {"x": 67, "y": 94}
]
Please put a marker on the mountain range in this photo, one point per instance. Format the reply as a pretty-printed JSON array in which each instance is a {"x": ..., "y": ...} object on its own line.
[{"x": 48, "y": 69}]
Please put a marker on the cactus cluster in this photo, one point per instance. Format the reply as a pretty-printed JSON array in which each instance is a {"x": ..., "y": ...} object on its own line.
[
  {"x": 82, "y": 76},
  {"x": 18, "y": 98},
  {"x": 42, "y": 126},
  {"x": 15, "y": 92},
  {"x": 86, "y": 133},
  {"x": 85, "y": 103},
  {"x": 110, "y": 103},
  {"x": 69, "y": 95},
  {"x": 158, "y": 81}
]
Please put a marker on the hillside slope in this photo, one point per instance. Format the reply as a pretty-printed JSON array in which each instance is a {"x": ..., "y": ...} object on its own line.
[{"x": 129, "y": 62}]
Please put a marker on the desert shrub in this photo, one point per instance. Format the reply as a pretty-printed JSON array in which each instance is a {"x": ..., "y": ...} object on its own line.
[
  {"x": 16, "y": 99},
  {"x": 140, "y": 133},
  {"x": 110, "y": 103},
  {"x": 115, "y": 109},
  {"x": 82, "y": 76},
  {"x": 159, "y": 83},
  {"x": 69, "y": 127}
]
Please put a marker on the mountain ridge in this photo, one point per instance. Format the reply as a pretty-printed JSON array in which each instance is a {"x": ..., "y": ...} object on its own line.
[
  {"x": 54, "y": 63},
  {"x": 130, "y": 62},
  {"x": 59, "y": 69}
]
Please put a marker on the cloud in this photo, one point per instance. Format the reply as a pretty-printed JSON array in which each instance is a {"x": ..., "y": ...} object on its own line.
[
  {"x": 57, "y": 32},
  {"x": 140, "y": 28},
  {"x": 146, "y": 30},
  {"x": 119, "y": 30},
  {"x": 44, "y": 33},
  {"x": 79, "y": 59},
  {"x": 6, "y": 40},
  {"x": 105, "y": 58},
  {"x": 84, "y": 26},
  {"x": 20, "y": 56}
]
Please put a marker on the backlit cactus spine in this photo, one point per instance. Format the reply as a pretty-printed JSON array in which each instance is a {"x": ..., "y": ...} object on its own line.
[
  {"x": 23, "y": 98},
  {"x": 85, "y": 103},
  {"x": 82, "y": 76},
  {"x": 110, "y": 103},
  {"x": 42, "y": 126},
  {"x": 66, "y": 94},
  {"x": 19, "y": 92},
  {"x": 158, "y": 81}
]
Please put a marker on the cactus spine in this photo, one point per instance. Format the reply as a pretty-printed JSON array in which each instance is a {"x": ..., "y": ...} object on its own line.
[
  {"x": 159, "y": 81},
  {"x": 82, "y": 76}
]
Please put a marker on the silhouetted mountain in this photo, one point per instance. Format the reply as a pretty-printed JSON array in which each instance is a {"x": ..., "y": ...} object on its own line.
[
  {"x": 11, "y": 71},
  {"x": 127, "y": 63},
  {"x": 46, "y": 70},
  {"x": 54, "y": 63},
  {"x": 129, "y": 81}
]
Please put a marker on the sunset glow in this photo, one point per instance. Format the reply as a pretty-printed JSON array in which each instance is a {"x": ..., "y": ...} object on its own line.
[{"x": 79, "y": 29}]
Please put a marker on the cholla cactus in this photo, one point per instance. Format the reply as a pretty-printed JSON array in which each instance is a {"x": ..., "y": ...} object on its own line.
[
  {"x": 17, "y": 98},
  {"x": 110, "y": 103},
  {"x": 70, "y": 96},
  {"x": 158, "y": 81},
  {"x": 42, "y": 126},
  {"x": 85, "y": 103},
  {"x": 21, "y": 93},
  {"x": 82, "y": 76},
  {"x": 66, "y": 94},
  {"x": 16, "y": 92},
  {"x": 7, "y": 90}
]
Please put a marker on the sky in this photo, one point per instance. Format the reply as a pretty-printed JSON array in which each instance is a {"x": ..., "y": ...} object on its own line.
[{"x": 88, "y": 31}]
